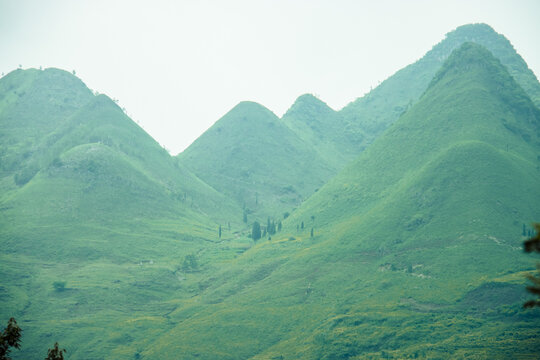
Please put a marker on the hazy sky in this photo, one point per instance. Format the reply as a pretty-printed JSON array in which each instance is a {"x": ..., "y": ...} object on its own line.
[{"x": 178, "y": 66}]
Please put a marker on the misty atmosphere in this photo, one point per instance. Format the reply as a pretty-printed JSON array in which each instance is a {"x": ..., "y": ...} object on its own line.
[{"x": 269, "y": 180}]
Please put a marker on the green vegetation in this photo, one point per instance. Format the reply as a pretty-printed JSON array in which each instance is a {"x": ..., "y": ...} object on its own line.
[
  {"x": 407, "y": 248},
  {"x": 10, "y": 337}
]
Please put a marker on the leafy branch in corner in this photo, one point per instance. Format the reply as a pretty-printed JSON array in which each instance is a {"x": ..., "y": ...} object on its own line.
[
  {"x": 533, "y": 245},
  {"x": 10, "y": 338}
]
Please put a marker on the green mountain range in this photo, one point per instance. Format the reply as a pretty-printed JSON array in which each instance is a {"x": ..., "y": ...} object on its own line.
[{"x": 403, "y": 220}]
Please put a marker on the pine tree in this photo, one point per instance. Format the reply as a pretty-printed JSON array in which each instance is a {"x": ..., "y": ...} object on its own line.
[
  {"x": 302, "y": 226},
  {"x": 55, "y": 353},
  {"x": 279, "y": 226},
  {"x": 219, "y": 231},
  {"x": 10, "y": 338},
  {"x": 256, "y": 231},
  {"x": 311, "y": 232}
]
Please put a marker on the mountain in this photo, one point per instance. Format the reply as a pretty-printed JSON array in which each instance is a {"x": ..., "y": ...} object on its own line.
[
  {"x": 96, "y": 219},
  {"x": 416, "y": 246},
  {"x": 413, "y": 249},
  {"x": 371, "y": 114},
  {"x": 312, "y": 142},
  {"x": 253, "y": 157}
]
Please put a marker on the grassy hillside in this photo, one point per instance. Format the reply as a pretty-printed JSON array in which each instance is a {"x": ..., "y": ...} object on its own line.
[
  {"x": 250, "y": 155},
  {"x": 93, "y": 204},
  {"x": 416, "y": 249},
  {"x": 371, "y": 114}
]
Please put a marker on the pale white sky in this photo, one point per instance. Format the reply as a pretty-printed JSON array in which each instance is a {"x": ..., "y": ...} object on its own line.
[{"x": 178, "y": 66}]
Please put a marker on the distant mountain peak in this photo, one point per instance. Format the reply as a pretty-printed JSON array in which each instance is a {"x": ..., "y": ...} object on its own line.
[{"x": 309, "y": 106}]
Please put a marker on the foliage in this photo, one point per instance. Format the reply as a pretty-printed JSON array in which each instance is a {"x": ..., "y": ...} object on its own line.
[
  {"x": 256, "y": 231},
  {"x": 10, "y": 338},
  {"x": 55, "y": 353},
  {"x": 533, "y": 245},
  {"x": 190, "y": 263},
  {"x": 59, "y": 285}
]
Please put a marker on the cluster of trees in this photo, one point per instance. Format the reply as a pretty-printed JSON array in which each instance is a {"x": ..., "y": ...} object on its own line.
[
  {"x": 190, "y": 263},
  {"x": 258, "y": 231},
  {"x": 10, "y": 339}
]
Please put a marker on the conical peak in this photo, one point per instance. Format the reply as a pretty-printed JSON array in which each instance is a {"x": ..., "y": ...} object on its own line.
[
  {"x": 309, "y": 105},
  {"x": 249, "y": 109},
  {"x": 467, "y": 58},
  {"x": 472, "y": 30}
]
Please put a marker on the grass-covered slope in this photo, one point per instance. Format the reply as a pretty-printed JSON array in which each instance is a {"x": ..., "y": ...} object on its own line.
[
  {"x": 371, "y": 114},
  {"x": 250, "y": 155},
  {"x": 90, "y": 201},
  {"x": 416, "y": 249}
]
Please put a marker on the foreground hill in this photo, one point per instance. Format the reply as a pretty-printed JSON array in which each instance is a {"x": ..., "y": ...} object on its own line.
[
  {"x": 416, "y": 249},
  {"x": 250, "y": 155}
]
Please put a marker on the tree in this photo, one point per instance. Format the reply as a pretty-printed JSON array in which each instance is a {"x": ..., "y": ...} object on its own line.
[
  {"x": 533, "y": 244},
  {"x": 279, "y": 226},
  {"x": 55, "y": 353},
  {"x": 219, "y": 231},
  {"x": 256, "y": 231},
  {"x": 59, "y": 286},
  {"x": 10, "y": 338},
  {"x": 245, "y": 217},
  {"x": 190, "y": 263},
  {"x": 311, "y": 235},
  {"x": 302, "y": 226}
]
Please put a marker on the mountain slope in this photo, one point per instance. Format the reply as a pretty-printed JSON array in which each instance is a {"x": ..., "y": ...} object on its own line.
[
  {"x": 416, "y": 249},
  {"x": 250, "y": 155}
]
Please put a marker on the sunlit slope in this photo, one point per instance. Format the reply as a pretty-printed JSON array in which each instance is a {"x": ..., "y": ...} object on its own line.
[
  {"x": 374, "y": 112},
  {"x": 416, "y": 249},
  {"x": 250, "y": 155}
]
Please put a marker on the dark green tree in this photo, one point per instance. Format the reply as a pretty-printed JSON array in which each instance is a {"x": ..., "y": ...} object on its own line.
[
  {"x": 311, "y": 235},
  {"x": 219, "y": 231},
  {"x": 55, "y": 353},
  {"x": 10, "y": 338},
  {"x": 302, "y": 226},
  {"x": 59, "y": 286},
  {"x": 533, "y": 245},
  {"x": 245, "y": 217},
  {"x": 190, "y": 263},
  {"x": 256, "y": 231},
  {"x": 279, "y": 226}
]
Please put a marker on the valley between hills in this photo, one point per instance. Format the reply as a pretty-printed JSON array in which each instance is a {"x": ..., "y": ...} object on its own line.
[{"x": 392, "y": 228}]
